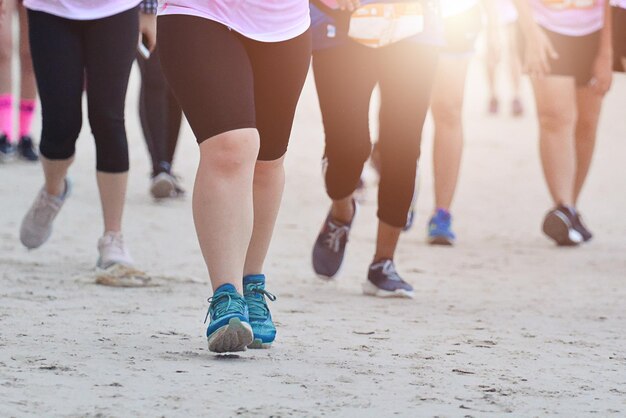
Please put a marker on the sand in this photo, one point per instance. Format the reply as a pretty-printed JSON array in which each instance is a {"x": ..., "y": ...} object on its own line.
[{"x": 502, "y": 324}]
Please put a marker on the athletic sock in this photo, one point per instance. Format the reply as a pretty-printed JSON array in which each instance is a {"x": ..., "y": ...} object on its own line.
[
  {"x": 27, "y": 110},
  {"x": 6, "y": 115}
]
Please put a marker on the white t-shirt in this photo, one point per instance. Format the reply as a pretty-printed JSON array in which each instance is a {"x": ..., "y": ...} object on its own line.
[
  {"x": 81, "y": 9},
  {"x": 569, "y": 17},
  {"x": 261, "y": 20},
  {"x": 619, "y": 3},
  {"x": 455, "y": 7}
]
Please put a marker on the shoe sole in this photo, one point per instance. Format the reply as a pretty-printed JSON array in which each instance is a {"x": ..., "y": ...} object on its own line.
[
  {"x": 370, "y": 290},
  {"x": 559, "y": 229},
  {"x": 443, "y": 241},
  {"x": 233, "y": 337},
  {"x": 258, "y": 344},
  {"x": 162, "y": 189}
]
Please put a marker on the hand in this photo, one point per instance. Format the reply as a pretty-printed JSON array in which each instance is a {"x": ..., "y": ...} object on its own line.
[
  {"x": 538, "y": 52},
  {"x": 602, "y": 78},
  {"x": 350, "y": 5},
  {"x": 147, "y": 30}
]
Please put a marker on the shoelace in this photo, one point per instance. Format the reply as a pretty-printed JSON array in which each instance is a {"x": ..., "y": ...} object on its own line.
[
  {"x": 46, "y": 208},
  {"x": 257, "y": 306},
  {"x": 334, "y": 236},
  {"x": 216, "y": 308},
  {"x": 389, "y": 270}
]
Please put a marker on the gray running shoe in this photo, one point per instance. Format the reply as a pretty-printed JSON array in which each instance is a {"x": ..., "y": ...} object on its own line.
[
  {"x": 165, "y": 185},
  {"x": 113, "y": 251},
  {"x": 37, "y": 224}
]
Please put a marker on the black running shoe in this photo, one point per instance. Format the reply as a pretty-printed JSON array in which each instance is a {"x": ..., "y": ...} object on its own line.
[
  {"x": 330, "y": 247},
  {"x": 7, "y": 150},
  {"x": 26, "y": 149},
  {"x": 384, "y": 281},
  {"x": 559, "y": 224},
  {"x": 581, "y": 227}
]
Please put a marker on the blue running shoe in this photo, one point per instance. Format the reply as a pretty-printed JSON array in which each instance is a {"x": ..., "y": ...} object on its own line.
[
  {"x": 440, "y": 228},
  {"x": 330, "y": 246},
  {"x": 229, "y": 329},
  {"x": 384, "y": 281},
  {"x": 260, "y": 316}
]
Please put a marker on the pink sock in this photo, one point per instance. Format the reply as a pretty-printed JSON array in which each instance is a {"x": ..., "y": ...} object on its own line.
[
  {"x": 6, "y": 115},
  {"x": 27, "y": 110}
]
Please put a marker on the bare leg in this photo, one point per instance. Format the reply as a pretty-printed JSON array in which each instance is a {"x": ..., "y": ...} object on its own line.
[
  {"x": 514, "y": 62},
  {"x": 447, "y": 108},
  {"x": 556, "y": 108},
  {"x": 269, "y": 182},
  {"x": 6, "y": 47},
  {"x": 343, "y": 210},
  {"x": 112, "y": 187},
  {"x": 386, "y": 241},
  {"x": 223, "y": 203},
  {"x": 55, "y": 172},
  {"x": 27, "y": 81},
  {"x": 589, "y": 104}
]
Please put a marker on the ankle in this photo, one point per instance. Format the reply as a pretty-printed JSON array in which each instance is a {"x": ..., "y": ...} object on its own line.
[{"x": 343, "y": 212}]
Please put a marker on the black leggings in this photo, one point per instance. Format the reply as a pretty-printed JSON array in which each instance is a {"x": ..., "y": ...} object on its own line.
[
  {"x": 72, "y": 55},
  {"x": 345, "y": 77},
  {"x": 159, "y": 112},
  {"x": 225, "y": 81}
]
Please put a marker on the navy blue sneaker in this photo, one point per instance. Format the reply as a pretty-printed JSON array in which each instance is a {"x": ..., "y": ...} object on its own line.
[
  {"x": 7, "y": 150},
  {"x": 440, "y": 228},
  {"x": 560, "y": 225},
  {"x": 330, "y": 246},
  {"x": 260, "y": 316},
  {"x": 26, "y": 149},
  {"x": 384, "y": 281},
  {"x": 229, "y": 329}
]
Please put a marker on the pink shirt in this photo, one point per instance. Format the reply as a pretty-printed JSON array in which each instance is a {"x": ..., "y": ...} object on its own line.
[
  {"x": 569, "y": 17},
  {"x": 261, "y": 20},
  {"x": 619, "y": 3},
  {"x": 81, "y": 9}
]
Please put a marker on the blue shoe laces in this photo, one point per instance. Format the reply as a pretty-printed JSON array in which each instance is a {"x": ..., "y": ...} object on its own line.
[
  {"x": 219, "y": 307},
  {"x": 257, "y": 307}
]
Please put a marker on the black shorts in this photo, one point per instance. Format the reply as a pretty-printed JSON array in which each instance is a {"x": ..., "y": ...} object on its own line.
[
  {"x": 225, "y": 81},
  {"x": 577, "y": 55},
  {"x": 619, "y": 38},
  {"x": 461, "y": 32}
]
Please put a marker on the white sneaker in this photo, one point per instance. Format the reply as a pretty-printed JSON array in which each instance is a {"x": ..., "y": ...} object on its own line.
[
  {"x": 113, "y": 251},
  {"x": 36, "y": 226},
  {"x": 164, "y": 186}
]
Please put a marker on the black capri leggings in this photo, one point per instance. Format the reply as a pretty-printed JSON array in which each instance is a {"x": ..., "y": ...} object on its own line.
[
  {"x": 345, "y": 77},
  {"x": 225, "y": 81},
  {"x": 69, "y": 55}
]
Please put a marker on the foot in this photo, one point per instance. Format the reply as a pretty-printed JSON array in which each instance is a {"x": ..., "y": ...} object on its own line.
[
  {"x": 164, "y": 184},
  {"x": 330, "y": 246},
  {"x": 581, "y": 227},
  {"x": 384, "y": 281},
  {"x": 440, "y": 228},
  {"x": 260, "y": 317},
  {"x": 229, "y": 329},
  {"x": 517, "y": 108},
  {"x": 36, "y": 226},
  {"x": 7, "y": 150},
  {"x": 559, "y": 225},
  {"x": 26, "y": 149},
  {"x": 493, "y": 106},
  {"x": 113, "y": 251}
]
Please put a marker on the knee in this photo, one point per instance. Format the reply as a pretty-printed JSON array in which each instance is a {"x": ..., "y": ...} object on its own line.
[
  {"x": 230, "y": 153},
  {"x": 556, "y": 121},
  {"x": 341, "y": 152},
  {"x": 58, "y": 138}
]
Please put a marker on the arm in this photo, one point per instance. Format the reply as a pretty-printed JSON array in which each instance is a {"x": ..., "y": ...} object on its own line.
[
  {"x": 603, "y": 65},
  {"x": 147, "y": 22},
  {"x": 538, "y": 48}
]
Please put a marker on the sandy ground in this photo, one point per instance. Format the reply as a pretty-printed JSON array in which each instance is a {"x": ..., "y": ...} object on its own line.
[{"x": 502, "y": 324}]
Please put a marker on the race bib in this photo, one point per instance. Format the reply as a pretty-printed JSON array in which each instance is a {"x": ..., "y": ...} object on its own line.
[
  {"x": 380, "y": 24},
  {"x": 570, "y": 4}
]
